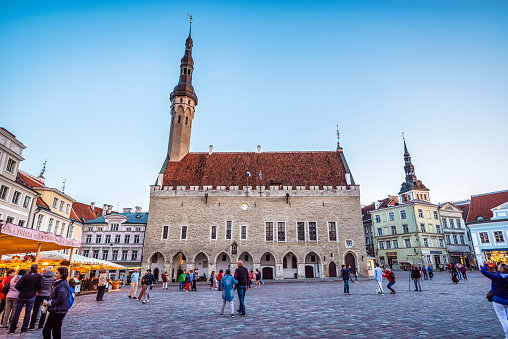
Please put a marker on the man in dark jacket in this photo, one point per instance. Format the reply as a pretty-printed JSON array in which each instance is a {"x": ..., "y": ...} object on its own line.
[
  {"x": 27, "y": 286},
  {"x": 48, "y": 278},
  {"x": 415, "y": 275},
  {"x": 148, "y": 280},
  {"x": 242, "y": 275}
]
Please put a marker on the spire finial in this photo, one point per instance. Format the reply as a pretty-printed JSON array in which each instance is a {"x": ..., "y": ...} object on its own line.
[
  {"x": 43, "y": 168},
  {"x": 63, "y": 187},
  {"x": 338, "y": 136},
  {"x": 406, "y": 152},
  {"x": 190, "y": 24}
]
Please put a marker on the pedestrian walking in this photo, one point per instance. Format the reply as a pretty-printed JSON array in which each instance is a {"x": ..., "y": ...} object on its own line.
[
  {"x": 188, "y": 281},
  {"x": 459, "y": 273},
  {"x": 181, "y": 281},
  {"x": 215, "y": 286},
  {"x": 441, "y": 268},
  {"x": 345, "y": 276},
  {"x": 431, "y": 273},
  {"x": 252, "y": 277},
  {"x": 453, "y": 271},
  {"x": 228, "y": 294},
  {"x": 498, "y": 292},
  {"x": 219, "y": 279},
  {"x": 58, "y": 304},
  {"x": 48, "y": 278},
  {"x": 242, "y": 276},
  {"x": 415, "y": 275},
  {"x": 378, "y": 275},
  {"x": 134, "y": 283},
  {"x": 258, "y": 279},
  {"x": 11, "y": 273},
  {"x": 11, "y": 298},
  {"x": 27, "y": 286},
  {"x": 101, "y": 285},
  {"x": 463, "y": 271},
  {"x": 194, "y": 280},
  {"x": 165, "y": 280},
  {"x": 391, "y": 279},
  {"x": 148, "y": 281},
  {"x": 425, "y": 275},
  {"x": 143, "y": 291}
]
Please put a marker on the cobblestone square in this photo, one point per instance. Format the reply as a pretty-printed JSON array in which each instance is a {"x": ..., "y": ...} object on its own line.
[{"x": 300, "y": 309}]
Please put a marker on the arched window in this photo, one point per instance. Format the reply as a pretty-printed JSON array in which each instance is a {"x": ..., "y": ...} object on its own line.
[
  {"x": 185, "y": 71},
  {"x": 179, "y": 118},
  {"x": 186, "y": 120}
]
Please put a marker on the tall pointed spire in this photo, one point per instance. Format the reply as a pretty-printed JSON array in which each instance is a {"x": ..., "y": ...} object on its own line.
[
  {"x": 183, "y": 104},
  {"x": 184, "y": 87},
  {"x": 415, "y": 187}
]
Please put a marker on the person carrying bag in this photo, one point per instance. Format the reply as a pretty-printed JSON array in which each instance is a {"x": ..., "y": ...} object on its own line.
[{"x": 498, "y": 293}]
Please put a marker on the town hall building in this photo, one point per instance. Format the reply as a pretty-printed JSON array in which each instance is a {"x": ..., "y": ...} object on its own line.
[{"x": 291, "y": 215}]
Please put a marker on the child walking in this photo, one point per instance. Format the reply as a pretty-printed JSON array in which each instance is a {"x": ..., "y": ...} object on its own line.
[{"x": 228, "y": 294}]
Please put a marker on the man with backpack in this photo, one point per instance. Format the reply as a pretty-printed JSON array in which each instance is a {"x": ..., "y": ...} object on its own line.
[
  {"x": 391, "y": 279},
  {"x": 48, "y": 278},
  {"x": 27, "y": 286},
  {"x": 148, "y": 280}
]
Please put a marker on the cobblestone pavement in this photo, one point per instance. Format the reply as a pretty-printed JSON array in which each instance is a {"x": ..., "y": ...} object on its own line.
[{"x": 303, "y": 310}]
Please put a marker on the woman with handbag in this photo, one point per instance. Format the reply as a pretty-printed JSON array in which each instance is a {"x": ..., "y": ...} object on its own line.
[{"x": 498, "y": 293}]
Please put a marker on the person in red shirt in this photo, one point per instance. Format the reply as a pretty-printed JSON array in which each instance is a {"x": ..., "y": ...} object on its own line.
[
  {"x": 391, "y": 279},
  {"x": 219, "y": 278},
  {"x": 165, "y": 280},
  {"x": 10, "y": 273}
]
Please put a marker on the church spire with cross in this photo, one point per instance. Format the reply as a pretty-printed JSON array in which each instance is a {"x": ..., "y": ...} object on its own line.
[
  {"x": 412, "y": 188},
  {"x": 183, "y": 103}
]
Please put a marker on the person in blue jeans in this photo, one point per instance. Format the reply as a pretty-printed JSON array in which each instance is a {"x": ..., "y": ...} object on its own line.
[
  {"x": 27, "y": 286},
  {"x": 345, "y": 276},
  {"x": 243, "y": 278}
]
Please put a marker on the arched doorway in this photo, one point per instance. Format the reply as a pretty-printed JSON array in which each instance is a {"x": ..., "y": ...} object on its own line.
[
  {"x": 290, "y": 266},
  {"x": 312, "y": 266},
  {"x": 350, "y": 261},
  {"x": 157, "y": 264},
  {"x": 332, "y": 270},
  {"x": 223, "y": 261},
  {"x": 201, "y": 264},
  {"x": 267, "y": 265},
  {"x": 179, "y": 263},
  {"x": 246, "y": 258}
]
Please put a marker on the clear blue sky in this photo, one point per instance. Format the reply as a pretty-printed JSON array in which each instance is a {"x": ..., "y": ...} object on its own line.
[{"x": 86, "y": 84}]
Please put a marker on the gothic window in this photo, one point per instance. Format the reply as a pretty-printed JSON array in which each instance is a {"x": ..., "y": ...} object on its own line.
[
  {"x": 243, "y": 234},
  {"x": 184, "y": 232},
  {"x": 269, "y": 231},
  {"x": 165, "y": 231},
  {"x": 281, "y": 231},
  {"x": 179, "y": 117},
  {"x": 229, "y": 229},
  {"x": 186, "y": 120},
  {"x": 332, "y": 231},
  {"x": 301, "y": 230},
  {"x": 214, "y": 233},
  {"x": 312, "y": 231}
]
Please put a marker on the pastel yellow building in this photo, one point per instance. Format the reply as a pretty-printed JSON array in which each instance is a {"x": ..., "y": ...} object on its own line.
[{"x": 54, "y": 212}]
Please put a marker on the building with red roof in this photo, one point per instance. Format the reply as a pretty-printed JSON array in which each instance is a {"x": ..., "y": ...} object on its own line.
[
  {"x": 17, "y": 197},
  {"x": 288, "y": 214},
  {"x": 487, "y": 221}
]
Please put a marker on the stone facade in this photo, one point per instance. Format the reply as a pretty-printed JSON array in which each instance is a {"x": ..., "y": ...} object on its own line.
[{"x": 199, "y": 210}]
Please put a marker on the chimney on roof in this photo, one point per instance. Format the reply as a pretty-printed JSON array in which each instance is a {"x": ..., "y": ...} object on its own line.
[
  {"x": 138, "y": 209},
  {"x": 110, "y": 209},
  {"x": 92, "y": 206},
  {"x": 210, "y": 149},
  {"x": 259, "y": 148},
  {"x": 104, "y": 209},
  {"x": 127, "y": 210}
]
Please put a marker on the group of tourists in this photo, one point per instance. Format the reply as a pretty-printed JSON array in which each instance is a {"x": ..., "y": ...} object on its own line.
[
  {"x": 458, "y": 272},
  {"x": 39, "y": 293}
]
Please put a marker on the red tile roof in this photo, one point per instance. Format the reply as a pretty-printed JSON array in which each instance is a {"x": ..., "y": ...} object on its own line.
[
  {"x": 21, "y": 181},
  {"x": 365, "y": 211},
  {"x": 277, "y": 168},
  {"x": 41, "y": 203},
  {"x": 31, "y": 180},
  {"x": 482, "y": 203},
  {"x": 85, "y": 211},
  {"x": 3, "y": 129},
  {"x": 464, "y": 208}
]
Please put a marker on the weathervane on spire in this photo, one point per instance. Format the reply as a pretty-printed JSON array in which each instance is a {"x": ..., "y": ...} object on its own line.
[
  {"x": 338, "y": 136},
  {"x": 63, "y": 187},
  {"x": 403, "y": 137},
  {"x": 43, "y": 168}
]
